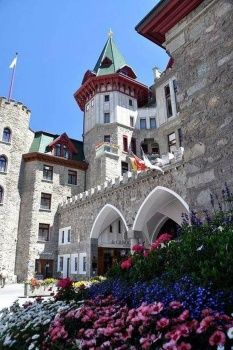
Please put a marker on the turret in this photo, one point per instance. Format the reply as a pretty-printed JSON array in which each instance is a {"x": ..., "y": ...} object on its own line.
[{"x": 109, "y": 97}]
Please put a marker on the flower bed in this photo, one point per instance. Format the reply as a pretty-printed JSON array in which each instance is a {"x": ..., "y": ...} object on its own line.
[{"x": 35, "y": 287}]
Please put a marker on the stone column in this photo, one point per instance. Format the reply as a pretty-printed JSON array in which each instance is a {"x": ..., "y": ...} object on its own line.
[{"x": 93, "y": 253}]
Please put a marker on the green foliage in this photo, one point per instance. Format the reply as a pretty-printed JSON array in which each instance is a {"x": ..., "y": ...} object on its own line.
[{"x": 204, "y": 253}]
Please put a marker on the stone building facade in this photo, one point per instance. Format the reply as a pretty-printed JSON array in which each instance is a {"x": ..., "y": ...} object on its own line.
[{"x": 94, "y": 222}]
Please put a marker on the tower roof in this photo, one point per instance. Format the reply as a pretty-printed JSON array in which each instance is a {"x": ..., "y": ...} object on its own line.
[{"x": 110, "y": 60}]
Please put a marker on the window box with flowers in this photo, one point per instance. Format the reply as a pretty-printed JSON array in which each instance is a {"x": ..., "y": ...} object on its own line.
[{"x": 35, "y": 287}]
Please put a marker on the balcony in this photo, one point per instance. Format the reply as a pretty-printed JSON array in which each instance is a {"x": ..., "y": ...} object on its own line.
[{"x": 106, "y": 148}]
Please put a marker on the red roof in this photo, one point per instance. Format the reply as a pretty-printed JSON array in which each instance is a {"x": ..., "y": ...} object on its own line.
[{"x": 165, "y": 15}]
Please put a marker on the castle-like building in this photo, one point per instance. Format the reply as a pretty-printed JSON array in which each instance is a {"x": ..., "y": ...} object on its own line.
[{"x": 72, "y": 208}]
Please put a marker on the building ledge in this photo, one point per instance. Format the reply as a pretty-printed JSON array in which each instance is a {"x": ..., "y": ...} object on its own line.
[
  {"x": 43, "y": 157},
  {"x": 48, "y": 181},
  {"x": 46, "y": 210},
  {"x": 5, "y": 143}
]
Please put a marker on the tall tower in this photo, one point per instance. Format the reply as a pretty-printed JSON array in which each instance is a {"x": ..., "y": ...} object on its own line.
[
  {"x": 109, "y": 97},
  {"x": 15, "y": 140}
]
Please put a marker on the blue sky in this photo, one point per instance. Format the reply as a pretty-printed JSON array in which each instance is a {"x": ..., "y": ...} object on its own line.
[{"x": 57, "y": 41}]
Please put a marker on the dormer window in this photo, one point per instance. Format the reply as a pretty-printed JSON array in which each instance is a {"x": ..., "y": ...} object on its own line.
[
  {"x": 57, "y": 150},
  {"x": 106, "y": 63},
  {"x": 62, "y": 146}
]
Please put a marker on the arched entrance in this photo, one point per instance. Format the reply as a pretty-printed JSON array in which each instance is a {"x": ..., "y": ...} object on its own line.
[
  {"x": 109, "y": 240},
  {"x": 161, "y": 205}
]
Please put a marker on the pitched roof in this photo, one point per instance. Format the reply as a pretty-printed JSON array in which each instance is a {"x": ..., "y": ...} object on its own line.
[
  {"x": 110, "y": 60},
  {"x": 43, "y": 139}
]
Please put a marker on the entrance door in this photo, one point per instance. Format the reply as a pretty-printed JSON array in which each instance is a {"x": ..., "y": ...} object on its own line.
[
  {"x": 107, "y": 257},
  {"x": 44, "y": 268}
]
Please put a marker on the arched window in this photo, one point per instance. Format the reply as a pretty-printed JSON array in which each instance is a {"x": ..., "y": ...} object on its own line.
[
  {"x": 6, "y": 137},
  {"x": 3, "y": 164},
  {"x": 1, "y": 194}
]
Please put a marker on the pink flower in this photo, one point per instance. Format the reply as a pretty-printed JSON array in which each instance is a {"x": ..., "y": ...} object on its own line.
[
  {"x": 127, "y": 264},
  {"x": 137, "y": 248},
  {"x": 184, "y": 346},
  {"x": 175, "y": 305},
  {"x": 162, "y": 323},
  {"x": 170, "y": 346},
  {"x": 64, "y": 283},
  {"x": 217, "y": 338},
  {"x": 184, "y": 315},
  {"x": 165, "y": 237}
]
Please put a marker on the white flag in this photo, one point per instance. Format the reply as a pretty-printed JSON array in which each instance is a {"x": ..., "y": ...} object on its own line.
[
  {"x": 13, "y": 63},
  {"x": 149, "y": 164}
]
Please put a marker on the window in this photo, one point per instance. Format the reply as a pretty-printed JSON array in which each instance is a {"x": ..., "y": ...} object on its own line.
[
  {"x": 66, "y": 153},
  {"x": 145, "y": 147},
  {"x": 43, "y": 232},
  {"x": 119, "y": 226},
  {"x": 107, "y": 138},
  {"x": 92, "y": 102},
  {"x": 62, "y": 151},
  {"x": 172, "y": 142},
  {"x": 63, "y": 236},
  {"x": 61, "y": 262},
  {"x": 69, "y": 235},
  {"x": 152, "y": 123},
  {"x": 125, "y": 143},
  {"x": 175, "y": 93},
  {"x": 133, "y": 145},
  {"x": 132, "y": 121},
  {"x": 87, "y": 107},
  {"x": 76, "y": 263},
  {"x": 58, "y": 150},
  {"x": 180, "y": 135},
  {"x": 84, "y": 264},
  {"x": 142, "y": 123},
  {"x": 45, "y": 202},
  {"x": 106, "y": 118},
  {"x": 6, "y": 137},
  {"x": 3, "y": 164},
  {"x": 124, "y": 167},
  {"x": 72, "y": 177},
  {"x": 168, "y": 100},
  {"x": 48, "y": 172},
  {"x": 1, "y": 194},
  {"x": 110, "y": 228},
  {"x": 106, "y": 98},
  {"x": 130, "y": 102}
]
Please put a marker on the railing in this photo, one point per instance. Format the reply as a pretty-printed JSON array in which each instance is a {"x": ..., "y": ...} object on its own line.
[{"x": 106, "y": 147}]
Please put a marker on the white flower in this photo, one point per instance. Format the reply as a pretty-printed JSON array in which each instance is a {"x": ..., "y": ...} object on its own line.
[
  {"x": 230, "y": 333},
  {"x": 200, "y": 248},
  {"x": 220, "y": 347},
  {"x": 220, "y": 228},
  {"x": 35, "y": 336}
]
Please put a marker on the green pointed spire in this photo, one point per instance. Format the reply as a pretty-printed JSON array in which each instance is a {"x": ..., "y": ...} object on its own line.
[{"x": 110, "y": 59}]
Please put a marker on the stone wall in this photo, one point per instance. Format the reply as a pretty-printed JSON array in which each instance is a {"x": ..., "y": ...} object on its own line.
[
  {"x": 202, "y": 47},
  {"x": 29, "y": 248},
  {"x": 15, "y": 116},
  {"x": 126, "y": 194}
]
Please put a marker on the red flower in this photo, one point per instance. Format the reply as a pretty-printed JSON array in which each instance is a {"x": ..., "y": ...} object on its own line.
[
  {"x": 184, "y": 346},
  {"x": 137, "y": 248},
  {"x": 126, "y": 264},
  {"x": 165, "y": 237},
  {"x": 64, "y": 283},
  {"x": 184, "y": 315},
  {"x": 162, "y": 323},
  {"x": 217, "y": 338}
]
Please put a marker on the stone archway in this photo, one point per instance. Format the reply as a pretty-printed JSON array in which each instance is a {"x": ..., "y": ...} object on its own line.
[
  {"x": 108, "y": 239},
  {"x": 160, "y": 205}
]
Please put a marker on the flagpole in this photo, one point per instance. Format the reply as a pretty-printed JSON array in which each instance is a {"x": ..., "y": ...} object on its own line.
[{"x": 12, "y": 81}]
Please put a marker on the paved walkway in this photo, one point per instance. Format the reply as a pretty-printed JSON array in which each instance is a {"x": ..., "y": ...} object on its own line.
[{"x": 10, "y": 293}]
